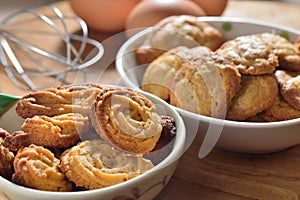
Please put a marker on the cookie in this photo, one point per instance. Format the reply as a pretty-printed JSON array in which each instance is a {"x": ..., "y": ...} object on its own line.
[
  {"x": 287, "y": 52},
  {"x": 36, "y": 167},
  {"x": 177, "y": 31},
  {"x": 159, "y": 74},
  {"x": 126, "y": 119},
  {"x": 6, "y": 162},
  {"x": 289, "y": 83},
  {"x": 282, "y": 110},
  {"x": 257, "y": 94},
  {"x": 16, "y": 140},
  {"x": 3, "y": 134},
  {"x": 257, "y": 118},
  {"x": 168, "y": 133},
  {"x": 6, "y": 157},
  {"x": 60, "y": 131},
  {"x": 205, "y": 86},
  {"x": 95, "y": 164},
  {"x": 57, "y": 101},
  {"x": 297, "y": 43},
  {"x": 251, "y": 55}
]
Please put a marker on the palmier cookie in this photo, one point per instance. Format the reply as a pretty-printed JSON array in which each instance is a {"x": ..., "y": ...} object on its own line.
[
  {"x": 287, "y": 52},
  {"x": 251, "y": 55},
  {"x": 257, "y": 94},
  {"x": 36, "y": 167},
  {"x": 60, "y": 131},
  {"x": 126, "y": 119},
  {"x": 177, "y": 31},
  {"x": 205, "y": 86},
  {"x": 159, "y": 74},
  {"x": 6, "y": 157},
  {"x": 96, "y": 164},
  {"x": 280, "y": 110},
  {"x": 57, "y": 101},
  {"x": 289, "y": 83}
]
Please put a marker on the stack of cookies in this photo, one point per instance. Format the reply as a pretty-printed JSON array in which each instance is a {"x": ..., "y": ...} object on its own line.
[
  {"x": 83, "y": 137},
  {"x": 249, "y": 78}
]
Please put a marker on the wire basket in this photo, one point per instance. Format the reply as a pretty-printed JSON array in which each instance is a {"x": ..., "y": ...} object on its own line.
[{"x": 37, "y": 47}]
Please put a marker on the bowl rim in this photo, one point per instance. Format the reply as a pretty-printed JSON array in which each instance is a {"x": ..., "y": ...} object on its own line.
[
  {"x": 177, "y": 151},
  {"x": 229, "y": 123}
]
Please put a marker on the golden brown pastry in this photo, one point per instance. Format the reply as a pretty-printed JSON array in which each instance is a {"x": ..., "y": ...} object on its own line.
[
  {"x": 57, "y": 101},
  {"x": 177, "y": 31},
  {"x": 36, "y": 167},
  {"x": 297, "y": 43},
  {"x": 168, "y": 132},
  {"x": 251, "y": 54},
  {"x": 257, "y": 94},
  {"x": 60, "y": 131},
  {"x": 257, "y": 118},
  {"x": 3, "y": 134},
  {"x": 288, "y": 53},
  {"x": 289, "y": 83},
  {"x": 126, "y": 119},
  {"x": 6, "y": 162},
  {"x": 6, "y": 157},
  {"x": 159, "y": 74},
  {"x": 267, "y": 117},
  {"x": 206, "y": 86},
  {"x": 96, "y": 164},
  {"x": 281, "y": 110},
  {"x": 16, "y": 140}
]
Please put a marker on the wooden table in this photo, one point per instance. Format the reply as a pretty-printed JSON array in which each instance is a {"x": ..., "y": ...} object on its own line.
[{"x": 221, "y": 175}]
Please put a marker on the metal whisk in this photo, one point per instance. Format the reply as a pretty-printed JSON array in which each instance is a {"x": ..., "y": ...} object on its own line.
[{"x": 14, "y": 49}]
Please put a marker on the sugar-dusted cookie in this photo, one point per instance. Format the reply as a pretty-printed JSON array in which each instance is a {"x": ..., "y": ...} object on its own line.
[
  {"x": 251, "y": 54},
  {"x": 257, "y": 94},
  {"x": 177, "y": 31},
  {"x": 287, "y": 52}
]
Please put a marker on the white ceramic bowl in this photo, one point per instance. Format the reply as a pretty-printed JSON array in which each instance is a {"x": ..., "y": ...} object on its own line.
[
  {"x": 230, "y": 135},
  {"x": 147, "y": 185}
]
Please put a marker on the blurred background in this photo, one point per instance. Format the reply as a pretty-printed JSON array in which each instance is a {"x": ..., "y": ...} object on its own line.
[
  {"x": 7, "y": 7},
  {"x": 109, "y": 39}
]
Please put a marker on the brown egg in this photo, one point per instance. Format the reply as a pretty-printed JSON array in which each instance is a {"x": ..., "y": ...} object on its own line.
[
  {"x": 103, "y": 15},
  {"x": 212, "y": 7},
  {"x": 149, "y": 12}
]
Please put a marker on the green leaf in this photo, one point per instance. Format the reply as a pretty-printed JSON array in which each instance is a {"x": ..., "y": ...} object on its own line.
[
  {"x": 227, "y": 27},
  {"x": 6, "y": 101},
  {"x": 285, "y": 35}
]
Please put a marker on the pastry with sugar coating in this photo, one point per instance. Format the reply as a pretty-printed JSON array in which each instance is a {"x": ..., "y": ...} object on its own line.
[{"x": 174, "y": 31}]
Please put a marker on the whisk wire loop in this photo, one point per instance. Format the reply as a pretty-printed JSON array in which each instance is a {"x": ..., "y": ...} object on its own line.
[{"x": 72, "y": 59}]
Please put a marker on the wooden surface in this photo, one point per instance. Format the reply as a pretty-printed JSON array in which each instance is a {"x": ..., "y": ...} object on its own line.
[{"x": 221, "y": 175}]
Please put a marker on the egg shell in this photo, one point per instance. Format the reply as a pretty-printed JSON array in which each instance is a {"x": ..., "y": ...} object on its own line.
[
  {"x": 212, "y": 7},
  {"x": 104, "y": 15},
  {"x": 149, "y": 12}
]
